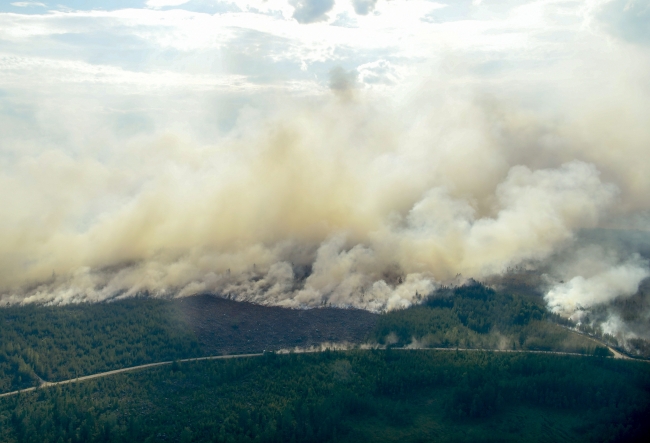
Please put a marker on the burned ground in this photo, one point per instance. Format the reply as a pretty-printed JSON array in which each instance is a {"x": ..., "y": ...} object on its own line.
[{"x": 224, "y": 326}]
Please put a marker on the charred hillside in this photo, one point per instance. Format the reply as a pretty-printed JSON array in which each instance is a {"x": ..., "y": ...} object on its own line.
[{"x": 225, "y": 326}]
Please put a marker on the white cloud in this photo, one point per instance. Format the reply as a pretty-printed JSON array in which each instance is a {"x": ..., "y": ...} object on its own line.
[
  {"x": 363, "y": 7},
  {"x": 380, "y": 72},
  {"x": 28, "y": 4},
  {"x": 164, "y": 3},
  {"x": 311, "y": 11},
  {"x": 51, "y": 71}
]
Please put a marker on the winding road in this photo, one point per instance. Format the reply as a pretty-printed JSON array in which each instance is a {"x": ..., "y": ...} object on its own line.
[{"x": 45, "y": 384}]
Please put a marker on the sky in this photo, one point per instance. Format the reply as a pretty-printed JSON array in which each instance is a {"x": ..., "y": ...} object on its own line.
[{"x": 308, "y": 152}]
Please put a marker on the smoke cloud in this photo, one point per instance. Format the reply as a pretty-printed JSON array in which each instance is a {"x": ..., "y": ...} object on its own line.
[
  {"x": 580, "y": 293},
  {"x": 255, "y": 167},
  {"x": 297, "y": 215}
]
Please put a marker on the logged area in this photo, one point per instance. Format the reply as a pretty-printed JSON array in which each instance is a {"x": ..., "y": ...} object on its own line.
[{"x": 373, "y": 395}]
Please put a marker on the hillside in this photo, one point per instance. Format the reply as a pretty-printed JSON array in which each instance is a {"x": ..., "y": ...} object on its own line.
[
  {"x": 383, "y": 394},
  {"x": 228, "y": 327},
  {"x": 475, "y": 316},
  {"x": 57, "y": 343}
]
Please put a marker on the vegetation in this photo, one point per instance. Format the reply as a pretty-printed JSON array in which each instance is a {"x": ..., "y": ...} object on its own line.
[
  {"x": 391, "y": 395},
  {"x": 378, "y": 395},
  {"x": 58, "y": 343},
  {"x": 475, "y": 316}
]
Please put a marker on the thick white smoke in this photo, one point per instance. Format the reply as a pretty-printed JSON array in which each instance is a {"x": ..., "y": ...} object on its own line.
[
  {"x": 442, "y": 146},
  {"x": 292, "y": 217},
  {"x": 581, "y": 293}
]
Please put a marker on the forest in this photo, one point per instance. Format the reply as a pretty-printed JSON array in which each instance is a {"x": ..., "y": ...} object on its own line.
[
  {"x": 57, "y": 343},
  {"x": 350, "y": 396},
  {"x": 478, "y": 317},
  {"x": 390, "y": 394}
]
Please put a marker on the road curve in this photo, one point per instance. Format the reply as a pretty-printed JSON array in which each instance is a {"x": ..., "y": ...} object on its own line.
[
  {"x": 594, "y": 339},
  {"x": 45, "y": 384}
]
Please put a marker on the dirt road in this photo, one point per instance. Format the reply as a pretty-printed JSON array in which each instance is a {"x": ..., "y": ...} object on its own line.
[{"x": 45, "y": 384}]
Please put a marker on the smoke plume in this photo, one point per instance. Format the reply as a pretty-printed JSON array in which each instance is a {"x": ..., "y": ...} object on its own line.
[
  {"x": 255, "y": 167},
  {"x": 333, "y": 206}
]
